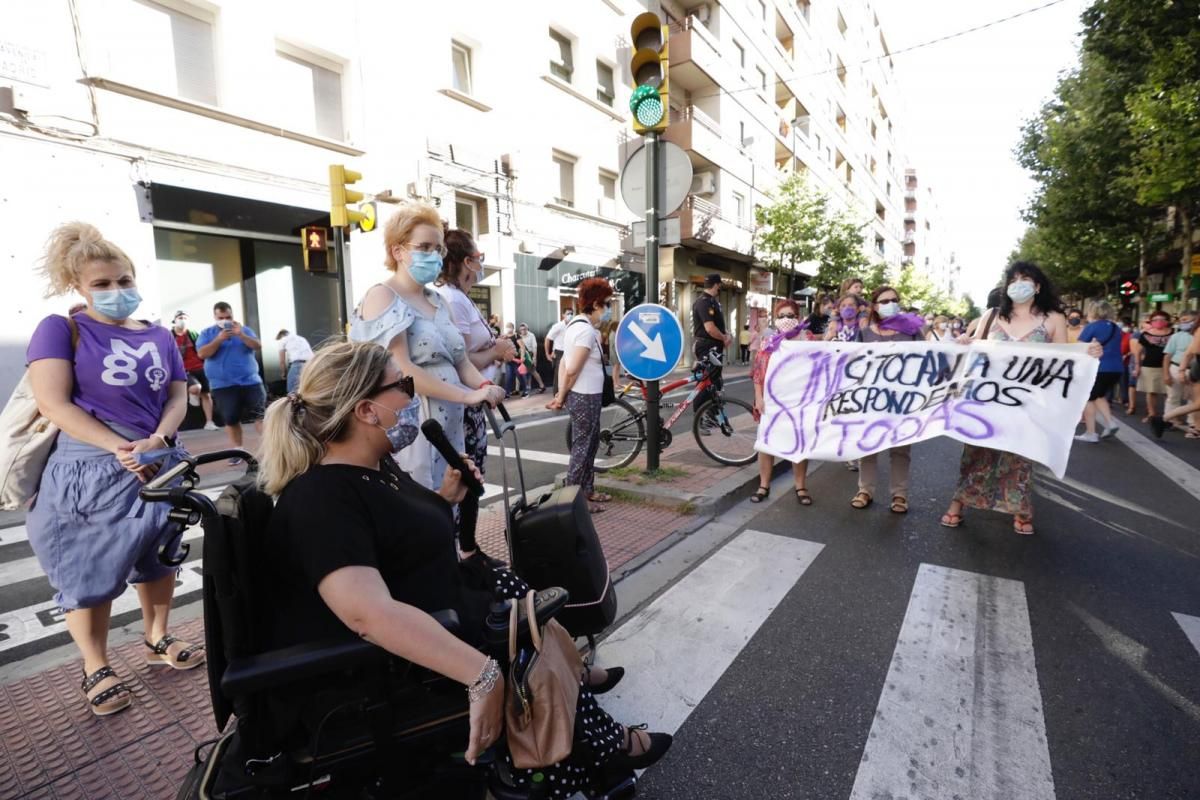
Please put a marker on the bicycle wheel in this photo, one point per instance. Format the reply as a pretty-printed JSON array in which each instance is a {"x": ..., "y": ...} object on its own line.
[
  {"x": 731, "y": 440},
  {"x": 622, "y": 433}
]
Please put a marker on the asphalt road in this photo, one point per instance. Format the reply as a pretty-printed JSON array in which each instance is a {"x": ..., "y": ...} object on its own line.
[{"x": 901, "y": 659}]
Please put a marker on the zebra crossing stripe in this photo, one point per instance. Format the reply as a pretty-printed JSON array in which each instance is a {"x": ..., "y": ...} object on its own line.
[
  {"x": 960, "y": 714},
  {"x": 710, "y": 615},
  {"x": 35, "y": 622},
  {"x": 23, "y": 569},
  {"x": 1191, "y": 628}
]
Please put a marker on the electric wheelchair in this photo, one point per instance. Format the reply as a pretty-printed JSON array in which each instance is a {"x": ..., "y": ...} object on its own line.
[{"x": 326, "y": 719}]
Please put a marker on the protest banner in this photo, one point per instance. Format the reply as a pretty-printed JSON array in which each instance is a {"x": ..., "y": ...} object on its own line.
[{"x": 841, "y": 401}]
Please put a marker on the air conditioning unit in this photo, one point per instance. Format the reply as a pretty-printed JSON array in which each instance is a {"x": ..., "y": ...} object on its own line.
[
  {"x": 703, "y": 183},
  {"x": 702, "y": 13},
  {"x": 508, "y": 165}
]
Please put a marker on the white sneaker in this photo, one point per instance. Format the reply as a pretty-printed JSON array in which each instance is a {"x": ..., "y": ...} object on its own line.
[
  {"x": 1087, "y": 437},
  {"x": 211, "y": 426},
  {"x": 1110, "y": 432}
]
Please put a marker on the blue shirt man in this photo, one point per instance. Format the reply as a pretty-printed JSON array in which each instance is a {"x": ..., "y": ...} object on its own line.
[{"x": 228, "y": 349}]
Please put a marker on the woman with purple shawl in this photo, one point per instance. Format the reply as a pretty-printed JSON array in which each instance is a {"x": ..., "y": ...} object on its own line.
[
  {"x": 787, "y": 326},
  {"x": 887, "y": 324}
]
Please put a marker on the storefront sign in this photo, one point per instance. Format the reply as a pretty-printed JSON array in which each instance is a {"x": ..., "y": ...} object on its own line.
[
  {"x": 842, "y": 402},
  {"x": 1161, "y": 297},
  {"x": 762, "y": 281}
]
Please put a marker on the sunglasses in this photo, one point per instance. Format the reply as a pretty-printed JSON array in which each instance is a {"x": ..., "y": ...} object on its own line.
[{"x": 405, "y": 385}]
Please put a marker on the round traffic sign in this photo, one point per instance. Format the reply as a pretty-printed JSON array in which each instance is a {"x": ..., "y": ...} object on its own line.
[
  {"x": 649, "y": 341},
  {"x": 674, "y": 179}
]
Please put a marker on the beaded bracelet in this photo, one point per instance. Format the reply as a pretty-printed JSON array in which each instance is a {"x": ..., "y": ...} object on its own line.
[{"x": 485, "y": 682}]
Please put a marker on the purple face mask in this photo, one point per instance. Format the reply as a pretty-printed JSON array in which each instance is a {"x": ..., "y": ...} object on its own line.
[{"x": 848, "y": 313}]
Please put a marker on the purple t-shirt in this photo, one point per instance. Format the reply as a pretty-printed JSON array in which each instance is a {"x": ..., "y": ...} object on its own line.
[{"x": 121, "y": 375}]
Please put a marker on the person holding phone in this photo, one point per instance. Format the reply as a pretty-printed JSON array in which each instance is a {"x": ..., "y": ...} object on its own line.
[{"x": 228, "y": 348}]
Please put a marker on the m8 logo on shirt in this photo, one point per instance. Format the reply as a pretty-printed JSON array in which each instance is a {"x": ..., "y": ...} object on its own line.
[{"x": 120, "y": 368}]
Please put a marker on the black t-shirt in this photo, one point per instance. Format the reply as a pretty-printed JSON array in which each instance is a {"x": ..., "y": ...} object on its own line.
[
  {"x": 818, "y": 323},
  {"x": 707, "y": 309},
  {"x": 336, "y": 516},
  {"x": 1152, "y": 348}
]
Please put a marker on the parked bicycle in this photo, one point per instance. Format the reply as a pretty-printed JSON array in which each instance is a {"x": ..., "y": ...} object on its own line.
[{"x": 727, "y": 439}]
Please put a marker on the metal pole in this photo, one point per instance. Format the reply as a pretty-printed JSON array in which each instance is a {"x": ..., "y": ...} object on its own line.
[
  {"x": 339, "y": 262},
  {"x": 653, "y": 192}
]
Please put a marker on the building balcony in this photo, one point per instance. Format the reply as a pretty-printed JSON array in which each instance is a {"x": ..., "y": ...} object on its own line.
[
  {"x": 701, "y": 226},
  {"x": 698, "y": 133},
  {"x": 696, "y": 62}
]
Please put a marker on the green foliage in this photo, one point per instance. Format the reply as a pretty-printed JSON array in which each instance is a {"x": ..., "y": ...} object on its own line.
[{"x": 801, "y": 227}]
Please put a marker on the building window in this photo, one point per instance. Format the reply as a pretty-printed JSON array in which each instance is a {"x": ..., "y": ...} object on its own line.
[
  {"x": 164, "y": 50},
  {"x": 470, "y": 214},
  {"x": 310, "y": 94},
  {"x": 841, "y": 23},
  {"x": 565, "y": 165},
  {"x": 880, "y": 246},
  {"x": 607, "y": 204},
  {"x": 739, "y": 208},
  {"x": 460, "y": 55},
  {"x": 762, "y": 78},
  {"x": 605, "y": 88},
  {"x": 802, "y": 6},
  {"x": 741, "y": 54},
  {"x": 562, "y": 64}
]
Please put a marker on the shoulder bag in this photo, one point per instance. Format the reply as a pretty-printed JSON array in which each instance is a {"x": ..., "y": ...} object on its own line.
[
  {"x": 26, "y": 439},
  {"x": 543, "y": 691}
]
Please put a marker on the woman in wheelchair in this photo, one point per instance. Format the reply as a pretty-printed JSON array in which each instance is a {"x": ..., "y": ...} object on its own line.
[{"x": 367, "y": 551}]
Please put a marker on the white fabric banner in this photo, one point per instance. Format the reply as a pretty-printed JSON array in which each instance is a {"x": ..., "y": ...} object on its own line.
[{"x": 838, "y": 401}]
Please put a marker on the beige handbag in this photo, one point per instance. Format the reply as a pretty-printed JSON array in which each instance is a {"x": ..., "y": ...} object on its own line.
[
  {"x": 542, "y": 693},
  {"x": 26, "y": 439}
]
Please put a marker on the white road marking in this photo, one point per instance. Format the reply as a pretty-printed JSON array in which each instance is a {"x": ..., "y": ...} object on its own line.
[
  {"x": 960, "y": 714},
  {"x": 1191, "y": 628},
  {"x": 709, "y": 615},
  {"x": 1178, "y": 471},
  {"x": 35, "y": 622},
  {"x": 542, "y": 456}
]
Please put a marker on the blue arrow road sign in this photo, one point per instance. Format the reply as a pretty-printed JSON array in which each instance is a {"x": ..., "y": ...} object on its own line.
[{"x": 649, "y": 341}]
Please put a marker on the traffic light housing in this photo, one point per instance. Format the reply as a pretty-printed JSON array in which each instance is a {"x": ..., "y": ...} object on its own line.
[
  {"x": 340, "y": 216},
  {"x": 1128, "y": 289},
  {"x": 650, "y": 70}
]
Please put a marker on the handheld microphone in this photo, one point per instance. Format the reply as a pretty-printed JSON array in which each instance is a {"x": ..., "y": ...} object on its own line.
[{"x": 437, "y": 437}]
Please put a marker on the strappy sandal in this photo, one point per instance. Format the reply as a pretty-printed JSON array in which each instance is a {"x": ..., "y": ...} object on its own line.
[
  {"x": 600, "y": 497},
  {"x": 182, "y": 659},
  {"x": 762, "y": 494},
  {"x": 951, "y": 520},
  {"x": 861, "y": 500},
  {"x": 899, "y": 505},
  {"x": 1192, "y": 433},
  {"x": 803, "y": 497},
  {"x": 117, "y": 697},
  {"x": 1023, "y": 525}
]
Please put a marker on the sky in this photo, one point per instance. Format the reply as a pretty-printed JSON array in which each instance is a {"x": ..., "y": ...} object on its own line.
[{"x": 965, "y": 102}]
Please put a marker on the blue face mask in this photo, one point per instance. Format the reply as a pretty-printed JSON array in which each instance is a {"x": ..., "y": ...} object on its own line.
[
  {"x": 607, "y": 315},
  {"x": 425, "y": 267},
  {"x": 404, "y": 431},
  {"x": 116, "y": 303}
]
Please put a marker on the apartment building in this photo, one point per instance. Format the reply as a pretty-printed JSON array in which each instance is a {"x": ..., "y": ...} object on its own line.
[
  {"x": 197, "y": 134},
  {"x": 764, "y": 88},
  {"x": 925, "y": 245}
]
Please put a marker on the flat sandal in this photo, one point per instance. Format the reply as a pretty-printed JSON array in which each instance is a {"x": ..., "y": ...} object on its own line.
[
  {"x": 762, "y": 494},
  {"x": 117, "y": 697},
  {"x": 861, "y": 500},
  {"x": 803, "y": 497},
  {"x": 189, "y": 657}
]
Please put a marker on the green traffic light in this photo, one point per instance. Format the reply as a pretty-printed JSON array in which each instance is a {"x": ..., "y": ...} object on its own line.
[{"x": 646, "y": 106}]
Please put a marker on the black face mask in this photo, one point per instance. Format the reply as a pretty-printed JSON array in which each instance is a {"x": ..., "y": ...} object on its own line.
[{"x": 1074, "y": 321}]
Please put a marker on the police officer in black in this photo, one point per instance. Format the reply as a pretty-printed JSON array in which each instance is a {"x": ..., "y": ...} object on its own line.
[{"x": 708, "y": 333}]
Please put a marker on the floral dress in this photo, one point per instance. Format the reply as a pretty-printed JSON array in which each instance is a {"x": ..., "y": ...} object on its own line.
[
  {"x": 437, "y": 347},
  {"x": 995, "y": 479}
]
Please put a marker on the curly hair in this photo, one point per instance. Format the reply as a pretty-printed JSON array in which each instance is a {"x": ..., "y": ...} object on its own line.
[
  {"x": 459, "y": 247},
  {"x": 69, "y": 248},
  {"x": 591, "y": 292},
  {"x": 1045, "y": 301}
]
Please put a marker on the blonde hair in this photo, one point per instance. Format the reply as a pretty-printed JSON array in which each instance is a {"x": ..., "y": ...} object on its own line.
[
  {"x": 339, "y": 376},
  {"x": 400, "y": 227},
  {"x": 1100, "y": 309},
  {"x": 69, "y": 248}
]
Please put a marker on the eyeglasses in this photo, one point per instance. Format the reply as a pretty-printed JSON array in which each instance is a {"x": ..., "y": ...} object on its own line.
[
  {"x": 429, "y": 247},
  {"x": 785, "y": 316},
  {"x": 478, "y": 258},
  {"x": 405, "y": 385}
]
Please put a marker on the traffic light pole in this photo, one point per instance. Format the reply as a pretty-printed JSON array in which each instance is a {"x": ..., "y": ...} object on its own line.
[
  {"x": 653, "y": 192},
  {"x": 339, "y": 261}
]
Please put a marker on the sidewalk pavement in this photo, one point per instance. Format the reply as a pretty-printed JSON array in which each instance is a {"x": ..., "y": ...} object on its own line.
[{"x": 51, "y": 746}]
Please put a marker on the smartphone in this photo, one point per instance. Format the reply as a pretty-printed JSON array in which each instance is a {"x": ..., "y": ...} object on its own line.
[{"x": 227, "y": 324}]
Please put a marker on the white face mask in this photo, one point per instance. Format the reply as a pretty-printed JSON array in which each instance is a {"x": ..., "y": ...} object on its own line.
[
  {"x": 889, "y": 309},
  {"x": 785, "y": 324},
  {"x": 1020, "y": 291}
]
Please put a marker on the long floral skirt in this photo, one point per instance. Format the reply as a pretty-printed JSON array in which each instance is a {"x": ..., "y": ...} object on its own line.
[{"x": 995, "y": 480}]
